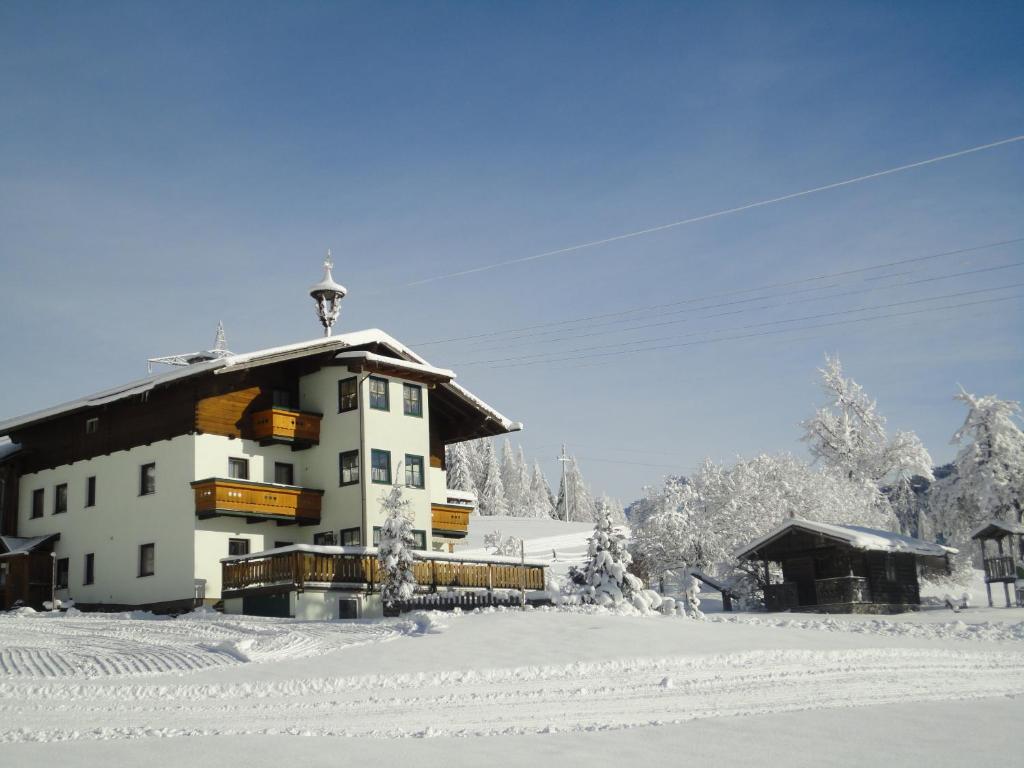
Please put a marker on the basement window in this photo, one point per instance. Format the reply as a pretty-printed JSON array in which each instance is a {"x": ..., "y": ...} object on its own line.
[
  {"x": 90, "y": 562},
  {"x": 147, "y": 559}
]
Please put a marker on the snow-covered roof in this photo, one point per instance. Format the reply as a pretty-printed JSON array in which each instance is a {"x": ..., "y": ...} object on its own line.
[
  {"x": 405, "y": 365},
  {"x": 1003, "y": 526},
  {"x": 239, "y": 362},
  {"x": 856, "y": 536},
  {"x": 19, "y": 545},
  {"x": 319, "y": 549},
  {"x": 8, "y": 448}
]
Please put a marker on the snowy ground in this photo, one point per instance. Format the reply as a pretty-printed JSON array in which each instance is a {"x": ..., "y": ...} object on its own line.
[{"x": 513, "y": 688}]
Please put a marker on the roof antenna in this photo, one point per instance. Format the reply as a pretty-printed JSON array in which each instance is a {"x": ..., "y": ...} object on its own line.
[{"x": 219, "y": 352}]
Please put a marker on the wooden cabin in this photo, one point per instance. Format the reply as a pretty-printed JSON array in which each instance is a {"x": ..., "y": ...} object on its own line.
[
  {"x": 27, "y": 571},
  {"x": 843, "y": 568},
  {"x": 1003, "y": 558}
]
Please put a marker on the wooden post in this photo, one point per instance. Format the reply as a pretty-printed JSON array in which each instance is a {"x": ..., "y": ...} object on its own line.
[
  {"x": 988, "y": 588},
  {"x": 1006, "y": 591}
]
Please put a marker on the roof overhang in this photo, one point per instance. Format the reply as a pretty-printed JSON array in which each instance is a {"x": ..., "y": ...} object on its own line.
[{"x": 998, "y": 529}]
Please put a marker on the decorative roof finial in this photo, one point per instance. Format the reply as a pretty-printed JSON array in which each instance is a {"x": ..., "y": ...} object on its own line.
[{"x": 327, "y": 294}]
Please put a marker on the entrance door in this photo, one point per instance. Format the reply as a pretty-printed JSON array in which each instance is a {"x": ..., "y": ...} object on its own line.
[{"x": 801, "y": 571}]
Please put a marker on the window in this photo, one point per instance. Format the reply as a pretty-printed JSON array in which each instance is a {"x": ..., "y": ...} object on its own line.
[
  {"x": 147, "y": 559},
  {"x": 278, "y": 544},
  {"x": 325, "y": 539},
  {"x": 60, "y": 499},
  {"x": 348, "y": 468},
  {"x": 147, "y": 479},
  {"x": 379, "y": 393},
  {"x": 376, "y": 535},
  {"x": 92, "y": 425},
  {"x": 62, "y": 573},
  {"x": 380, "y": 466},
  {"x": 348, "y": 395},
  {"x": 412, "y": 400},
  {"x": 90, "y": 491},
  {"x": 89, "y": 576},
  {"x": 419, "y": 539},
  {"x": 37, "y": 502},
  {"x": 351, "y": 537},
  {"x": 413, "y": 471},
  {"x": 282, "y": 398},
  {"x": 238, "y": 469},
  {"x": 238, "y": 547},
  {"x": 284, "y": 474}
]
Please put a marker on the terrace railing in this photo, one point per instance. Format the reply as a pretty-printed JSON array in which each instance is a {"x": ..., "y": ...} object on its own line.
[{"x": 1001, "y": 568}]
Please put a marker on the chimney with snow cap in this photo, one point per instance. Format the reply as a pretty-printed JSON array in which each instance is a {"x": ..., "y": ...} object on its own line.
[{"x": 327, "y": 294}]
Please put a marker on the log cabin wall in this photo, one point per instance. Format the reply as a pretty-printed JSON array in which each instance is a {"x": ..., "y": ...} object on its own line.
[{"x": 901, "y": 590}]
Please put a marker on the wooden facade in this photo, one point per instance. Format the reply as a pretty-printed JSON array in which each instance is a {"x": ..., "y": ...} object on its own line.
[
  {"x": 245, "y": 498},
  {"x": 826, "y": 574}
]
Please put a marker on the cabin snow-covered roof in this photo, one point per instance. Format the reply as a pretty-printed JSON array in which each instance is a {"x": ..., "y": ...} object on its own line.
[
  {"x": 856, "y": 536},
  {"x": 238, "y": 362},
  {"x": 998, "y": 527}
]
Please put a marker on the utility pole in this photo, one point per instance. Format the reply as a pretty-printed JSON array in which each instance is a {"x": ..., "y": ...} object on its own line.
[{"x": 564, "y": 460}]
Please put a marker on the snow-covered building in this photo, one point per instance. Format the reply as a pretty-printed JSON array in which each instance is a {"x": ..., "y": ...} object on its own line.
[
  {"x": 144, "y": 488},
  {"x": 843, "y": 568}
]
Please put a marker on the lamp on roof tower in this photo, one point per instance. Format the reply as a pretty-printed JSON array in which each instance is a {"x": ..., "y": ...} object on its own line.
[{"x": 328, "y": 295}]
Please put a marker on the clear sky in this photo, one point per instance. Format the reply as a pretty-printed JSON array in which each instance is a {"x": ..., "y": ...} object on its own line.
[{"x": 164, "y": 166}]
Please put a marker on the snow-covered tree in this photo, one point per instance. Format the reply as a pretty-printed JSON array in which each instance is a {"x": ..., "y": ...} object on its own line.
[
  {"x": 849, "y": 435},
  {"x": 578, "y": 507},
  {"x": 523, "y": 502},
  {"x": 491, "y": 494},
  {"x": 395, "y": 550},
  {"x": 506, "y": 546},
  {"x": 605, "y": 579},
  {"x": 604, "y": 504},
  {"x": 459, "y": 470},
  {"x": 540, "y": 504},
  {"x": 988, "y": 477}
]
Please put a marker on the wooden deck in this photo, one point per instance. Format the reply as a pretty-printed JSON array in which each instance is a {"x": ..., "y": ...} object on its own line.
[
  {"x": 300, "y": 569},
  {"x": 243, "y": 498}
]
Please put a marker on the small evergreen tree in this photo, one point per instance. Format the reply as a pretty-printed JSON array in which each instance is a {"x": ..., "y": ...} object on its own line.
[
  {"x": 540, "y": 494},
  {"x": 459, "y": 471},
  {"x": 395, "y": 551},
  {"x": 579, "y": 504},
  {"x": 492, "y": 491},
  {"x": 605, "y": 580}
]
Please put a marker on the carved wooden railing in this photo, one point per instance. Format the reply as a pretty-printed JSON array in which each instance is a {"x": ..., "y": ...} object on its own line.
[
  {"x": 286, "y": 425},
  {"x": 300, "y": 568},
  {"x": 218, "y": 496},
  {"x": 1000, "y": 567}
]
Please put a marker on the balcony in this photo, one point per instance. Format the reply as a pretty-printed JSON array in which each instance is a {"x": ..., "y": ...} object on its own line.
[
  {"x": 286, "y": 504},
  {"x": 450, "y": 520},
  {"x": 302, "y": 566},
  {"x": 284, "y": 425}
]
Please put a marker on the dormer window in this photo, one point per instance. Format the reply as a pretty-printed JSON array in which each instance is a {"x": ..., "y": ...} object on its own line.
[{"x": 92, "y": 425}]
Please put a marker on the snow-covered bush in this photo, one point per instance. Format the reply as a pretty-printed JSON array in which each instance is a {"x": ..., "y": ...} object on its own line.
[
  {"x": 604, "y": 580},
  {"x": 395, "y": 550},
  {"x": 505, "y": 546}
]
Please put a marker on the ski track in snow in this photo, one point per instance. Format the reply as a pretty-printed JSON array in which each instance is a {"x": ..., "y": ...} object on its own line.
[
  {"x": 103, "y": 645},
  {"x": 536, "y": 699}
]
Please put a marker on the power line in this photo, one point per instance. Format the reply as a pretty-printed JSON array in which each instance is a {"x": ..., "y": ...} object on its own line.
[
  {"x": 818, "y": 316},
  {"x": 754, "y": 335},
  {"x": 715, "y": 214},
  {"x": 737, "y": 292},
  {"x": 505, "y": 343}
]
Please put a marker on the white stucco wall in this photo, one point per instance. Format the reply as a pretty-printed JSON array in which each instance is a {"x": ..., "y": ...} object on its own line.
[{"x": 120, "y": 522}]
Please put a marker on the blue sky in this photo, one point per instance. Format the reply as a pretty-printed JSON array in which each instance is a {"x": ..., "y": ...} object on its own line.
[{"x": 166, "y": 166}]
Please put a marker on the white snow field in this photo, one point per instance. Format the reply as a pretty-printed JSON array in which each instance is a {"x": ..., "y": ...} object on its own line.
[{"x": 513, "y": 688}]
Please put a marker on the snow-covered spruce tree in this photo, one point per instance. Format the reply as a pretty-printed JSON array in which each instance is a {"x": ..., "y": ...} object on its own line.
[
  {"x": 988, "y": 477},
  {"x": 395, "y": 550},
  {"x": 605, "y": 579},
  {"x": 604, "y": 504},
  {"x": 491, "y": 495},
  {"x": 540, "y": 504},
  {"x": 459, "y": 470},
  {"x": 580, "y": 506},
  {"x": 523, "y": 503}
]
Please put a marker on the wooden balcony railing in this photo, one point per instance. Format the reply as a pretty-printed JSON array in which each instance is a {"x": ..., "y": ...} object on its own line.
[
  {"x": 451, "y": 520},
  {"x": 298, "y": 569},
  {"x": 283, "y": 425},
  {"x": 243, "y": 498},
  {"x": 842, "y": 589},
  {"x": 1001, "y": 568}
]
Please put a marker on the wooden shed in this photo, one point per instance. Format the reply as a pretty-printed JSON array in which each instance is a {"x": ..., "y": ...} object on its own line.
[
  {"x": 844, "y": 568},
  {"x": 26, "y": 570},
  {"x": 1005, "y": 564}
]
